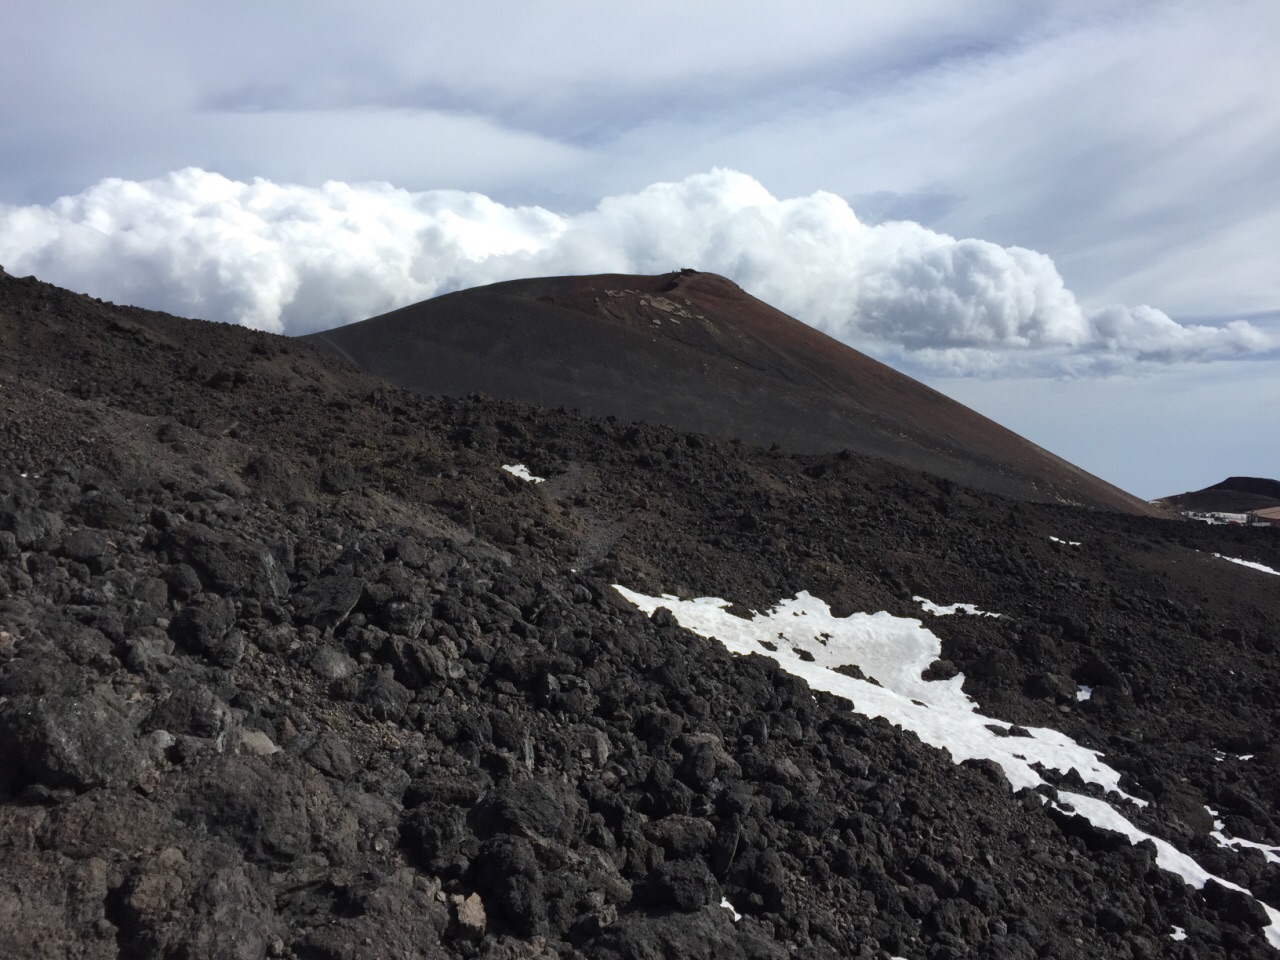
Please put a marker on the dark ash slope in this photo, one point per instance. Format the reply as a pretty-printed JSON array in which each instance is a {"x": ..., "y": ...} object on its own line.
[
  {"x": 289, "y": 667},
  {"x": 693, "y": 351}
]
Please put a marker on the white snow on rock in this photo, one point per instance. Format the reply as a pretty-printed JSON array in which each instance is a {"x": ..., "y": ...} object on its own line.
[
  {"x": 806, "y": 640},
  {"x": 521, "y": 471},
  {"x": 1178, "y": 934},
  {"x": 1168, "y": 857},
  {"x": 1083, "y": 692},
  {"x": 928, "y": 606},
  {"x": 1271, "y": 853},
  {"x": 1068, "y": 543},
  {"x": 1249, "y": 563},
  {"x": 724, "y": 902}
]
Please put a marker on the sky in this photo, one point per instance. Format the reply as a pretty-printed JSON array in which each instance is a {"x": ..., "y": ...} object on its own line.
[{"x": 1065, "y": 215}]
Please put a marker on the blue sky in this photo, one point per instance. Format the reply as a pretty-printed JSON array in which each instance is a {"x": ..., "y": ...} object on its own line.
[{"x": 1133, "y": 148}]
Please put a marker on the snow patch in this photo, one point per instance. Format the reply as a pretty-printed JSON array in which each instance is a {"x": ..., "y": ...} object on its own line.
[
  {"x": 521, "y": 471},
  {"x": 1248, "y": 563},
  {"x": 892, "y": 652},
  {"x": 1168, "y": 857},
  {"x": 929, "y": 606},
  {"x": 1069, "y": 543},
  {"x": 1271, "y": 853},
  {"x": 1178, "y": 934},
  {"x": 806, "y": 640},
  {"x": 724, "y": 902},
  {"x": 1083, "y": 692}
]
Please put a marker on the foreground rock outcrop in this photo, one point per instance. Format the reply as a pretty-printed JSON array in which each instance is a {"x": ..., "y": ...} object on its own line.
[{"x": 291, "y": 667}]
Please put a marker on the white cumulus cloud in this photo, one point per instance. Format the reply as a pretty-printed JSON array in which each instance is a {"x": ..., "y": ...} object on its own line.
[{"x": 295, "y": 259}]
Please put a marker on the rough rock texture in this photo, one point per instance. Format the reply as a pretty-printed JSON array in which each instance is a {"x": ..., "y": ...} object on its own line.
[{"x": 254, "y": 705}]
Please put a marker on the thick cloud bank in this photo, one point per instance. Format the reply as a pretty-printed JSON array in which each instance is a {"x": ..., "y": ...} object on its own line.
[{"x": 297, "y": 259}]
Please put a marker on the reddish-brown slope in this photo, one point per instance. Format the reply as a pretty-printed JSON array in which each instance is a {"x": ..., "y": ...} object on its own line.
[{"x": 694, "y": 351}]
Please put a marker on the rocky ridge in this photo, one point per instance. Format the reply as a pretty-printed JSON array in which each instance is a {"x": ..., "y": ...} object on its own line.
[{"x": 291, "y": 667}]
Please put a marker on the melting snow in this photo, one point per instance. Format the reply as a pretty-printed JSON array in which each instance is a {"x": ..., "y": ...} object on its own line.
[
  {"x": 808, "y": 641},
  {"x": 1248, "y": 563},
  {"x": 521, "y": 471},
  {"x": 1169, "y": 857},
  {"x": 929, "y": 606},
  {"x": 1271, "y": 853}
]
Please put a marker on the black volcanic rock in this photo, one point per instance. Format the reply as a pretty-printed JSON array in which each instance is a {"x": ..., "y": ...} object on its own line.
[
  {"x": 71, "y": 741},
  {"x": 206, "y": 626},
  {"x": 693, "y": 351},
  {"x": 275, "y": 715},
  {"x": 683, "y": 885}
]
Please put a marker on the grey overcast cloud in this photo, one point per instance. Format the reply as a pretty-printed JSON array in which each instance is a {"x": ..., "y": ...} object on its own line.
[{"x": 1065, "y": 215}]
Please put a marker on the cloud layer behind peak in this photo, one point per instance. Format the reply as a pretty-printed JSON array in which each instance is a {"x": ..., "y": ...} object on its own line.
[{"x": 295, "y": 259}]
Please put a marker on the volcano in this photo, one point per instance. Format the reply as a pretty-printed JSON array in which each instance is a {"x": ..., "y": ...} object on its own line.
[
  {"x": 1232, "y": 495},
  {"x": 295, "y": 663},
  {"x": 695, "y": 352}
]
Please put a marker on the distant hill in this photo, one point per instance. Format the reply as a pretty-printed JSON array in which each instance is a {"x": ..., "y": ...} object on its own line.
[
  {"x": 1232, "y": 495},
  {"x": 694, "y": 351}
]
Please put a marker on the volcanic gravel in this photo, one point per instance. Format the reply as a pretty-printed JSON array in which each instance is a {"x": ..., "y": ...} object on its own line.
[{"x": 290, "y": 667}]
